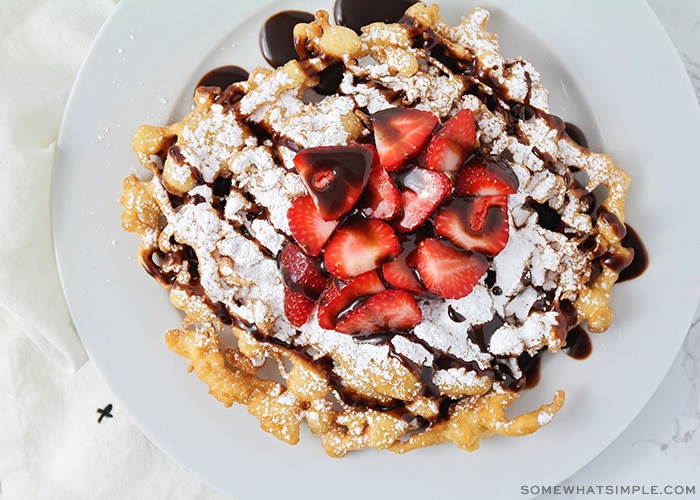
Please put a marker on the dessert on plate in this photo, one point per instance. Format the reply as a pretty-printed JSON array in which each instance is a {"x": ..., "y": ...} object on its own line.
[{"x": 381, "y": 236}]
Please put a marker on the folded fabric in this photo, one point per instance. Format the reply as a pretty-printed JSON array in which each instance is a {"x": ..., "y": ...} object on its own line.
[
  {"x": 42, "y": 46},
  {"x": 64, "y": 435}
]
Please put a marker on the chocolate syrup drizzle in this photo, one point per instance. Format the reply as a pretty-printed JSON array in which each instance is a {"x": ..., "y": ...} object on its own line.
[{"x": 278, "y": 46}]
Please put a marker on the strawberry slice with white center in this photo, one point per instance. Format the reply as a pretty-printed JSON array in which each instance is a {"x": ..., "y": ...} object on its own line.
[
  {"x": 423, "y": 191},
  {"x": 309, "y": 229},
  {"x": 360, "y": 245},
  {"x": 486, "y": 176},
  {"x": 401, "y": 272},
  {"x": 381, "y": 199},
  {"x": 400, "y": 134},
  {"x": 476, "y": 223},
  {"x": 447, "y": 271},
  {"x": 335, "y": 176},
  {"x": 400, "y": 275},
  {"x": 387, "y": 311},
  {"x": 452, "y": 144},
  {"x": 339, "y": 298}
]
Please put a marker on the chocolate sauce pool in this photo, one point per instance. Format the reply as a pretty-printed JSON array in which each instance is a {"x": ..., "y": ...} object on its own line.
[
  {"x": 223, "y": 76},
  {"x": 277, "y": 36},
  {"x": 277, "y": 45},
  {"x": 355, "y": 14}
]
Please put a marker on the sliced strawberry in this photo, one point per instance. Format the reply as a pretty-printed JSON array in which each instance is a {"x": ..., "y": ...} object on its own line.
[
  {"x": 308, "y": 227},
  {"x": 301, "y": 273},
  {"x": 448, "y": 271},
  {"x": 387, "y": 311},
  {"x": 452, "y": 144},
  {"x": 339, "y": 298},
  {"x": 486, "y": 176},
  {"x": 400, "y": 134},
  {"x": 360, "y": 245},
  {"x": 335, "y": 176},
  {"x": 330, "y": 305},
  {"x": 423, "y": 191},
  {"x": 476, "y": 223},
  {"x": 381, "y": 199},
  {"x": 399, "y": 275},
  {"x": 401, "y": 272},
  {"x": 297, "y": 307}
]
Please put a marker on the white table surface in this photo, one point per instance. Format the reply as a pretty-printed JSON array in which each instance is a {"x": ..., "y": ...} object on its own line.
[{"x": 660, "y": 449}]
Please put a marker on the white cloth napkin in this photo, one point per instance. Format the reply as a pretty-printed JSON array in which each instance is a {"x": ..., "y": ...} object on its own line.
[
  {"x": 42, "y": 45},
  {"x": 51, "y": 444}
]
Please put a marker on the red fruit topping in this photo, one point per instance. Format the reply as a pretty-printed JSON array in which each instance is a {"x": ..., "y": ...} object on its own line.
[
  {"x": 381, "y": 199},
  {"x": 387, "y": 311},
  {"x": 301, "y": 273},
  {"x": 308, "y": 227},
  {"x": 399, "y": 275},
  {"x": 297, "y": 307},
  {"x": 335, "y": 176},
  {"x": 358, "y": 200},
  {"x": 360, "y": 245},
  {"x": 340, "y": 298},
  {"x": 452, "y": 144},
  {"x": 448, "y": 271},
  {"x": 401, "y": 272},
  {"x": 400, "y": 134},
  {"x": 424, "y": 190},
  {"x": 489, "y": 176},
  {"x": 477, "y": 223}
]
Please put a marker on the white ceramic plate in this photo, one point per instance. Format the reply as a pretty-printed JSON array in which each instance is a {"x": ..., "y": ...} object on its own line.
[{"x": 610, "y": 68}]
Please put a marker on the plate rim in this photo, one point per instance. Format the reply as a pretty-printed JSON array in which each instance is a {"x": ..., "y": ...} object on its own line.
[{"x": 58, "y": 220}]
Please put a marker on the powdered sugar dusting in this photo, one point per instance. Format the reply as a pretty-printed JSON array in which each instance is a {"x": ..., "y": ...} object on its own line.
[
  {"x": 218, "y": 143},
  {"x": 217, "y": 209}
]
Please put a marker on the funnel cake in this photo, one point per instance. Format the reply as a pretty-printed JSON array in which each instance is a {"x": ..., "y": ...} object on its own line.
[{"x": 385, "y": 261}]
